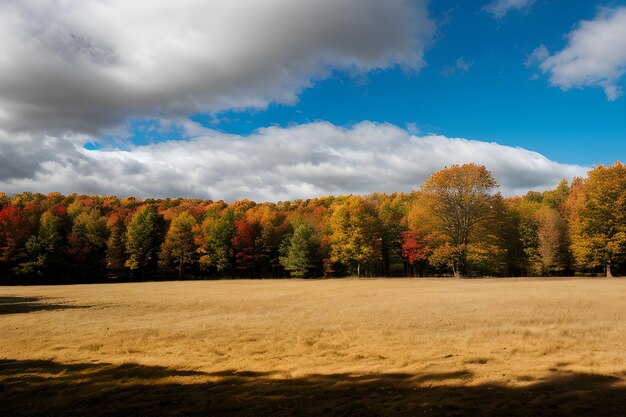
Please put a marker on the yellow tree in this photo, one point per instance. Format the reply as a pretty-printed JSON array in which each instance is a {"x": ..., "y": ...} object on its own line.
[
  {"x": 355, "y": 237},
  {"x": 179, "y": 248},
  {"x": 544, "y": 235},
  {"x": 461, "y": 198},
  {"x": 422, "y": 236},
  {"x": 553, "y": 241},
  {"x": 599, "y": 219},
  {"x": 216, "y": 246}
]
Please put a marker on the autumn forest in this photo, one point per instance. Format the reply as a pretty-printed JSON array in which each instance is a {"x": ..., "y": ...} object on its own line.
[{"x": 457, "y": 224}]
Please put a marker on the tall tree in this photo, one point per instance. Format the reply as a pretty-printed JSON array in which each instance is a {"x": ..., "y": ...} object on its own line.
[
  {"x": 217, "y": 242},
  {"x": 46, "y": 249},
  {"x": 553, "y": 241},
  {"x": 87, "y": 242},
  {"x": 392, "y": 225},
  {"x": 599, "y": 223},
  {"x": 116, "y": 245},
  {"x": 355, "y": 237},
  {"x": 556, "y": 198},
  {"x": 244, "y": 246},
  {"x": 179, "y": 249},
  {"x": 272, "y": 228},
  {"x": 528, "y": 229},
  {"x": 300, "y": 252},
  {"x": 142, "y": 240},
  {"x": 461, "y": 197},
  {"x": 14, "y": 232}
]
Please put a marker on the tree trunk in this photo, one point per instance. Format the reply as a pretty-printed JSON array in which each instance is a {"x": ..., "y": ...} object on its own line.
[
  {"x": 456, "y": 271},
  {"x": 180, "y": 268},
  {"x": 608, "y": 270},
  {"x": 358, "y": 270}
]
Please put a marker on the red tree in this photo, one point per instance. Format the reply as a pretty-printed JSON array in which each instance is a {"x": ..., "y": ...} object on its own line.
[
  {"x": 244, "y": 241},
  {"x": 14, "y": 230},
  {"x": 415, "y": 247}
]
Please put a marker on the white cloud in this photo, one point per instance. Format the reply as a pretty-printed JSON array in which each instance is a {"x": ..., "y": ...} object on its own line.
[
  {"x": 272, "y": 164},
  {"x": 500, "y": 8},
  {"x": 87, "y": 65},
  {"x": 463, "y": 65},
  {"x": 460, "y": 65},
  {"x": 595, "y": 55},
  {"x": 537, "y": 56}
]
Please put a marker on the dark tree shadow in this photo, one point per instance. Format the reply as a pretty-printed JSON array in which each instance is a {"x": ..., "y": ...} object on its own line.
[
  {"x": 18, "y": 305},
  {"x": 46, "y": 388}
]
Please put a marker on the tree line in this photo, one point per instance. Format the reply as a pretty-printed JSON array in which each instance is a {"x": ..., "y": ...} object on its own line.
[{"x": 457, "y": 223}]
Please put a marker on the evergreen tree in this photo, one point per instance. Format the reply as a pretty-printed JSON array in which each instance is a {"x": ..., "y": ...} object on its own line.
[
  {"x": 142, "y": 240},
  {"x": 392, "y": 225},
  {"x": 300, "y": 252},
  {"x": 46, "y": 248}
]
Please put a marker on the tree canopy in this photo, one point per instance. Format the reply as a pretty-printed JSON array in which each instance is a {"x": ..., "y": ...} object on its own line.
[
  {"x": 461, "y": 198},
  {"x": 599, "y": 226},
  {"x": 455, "y": 224}
]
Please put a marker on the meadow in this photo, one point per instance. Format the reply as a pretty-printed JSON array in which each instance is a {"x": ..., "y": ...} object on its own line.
[{"x": 316, "y": 347}]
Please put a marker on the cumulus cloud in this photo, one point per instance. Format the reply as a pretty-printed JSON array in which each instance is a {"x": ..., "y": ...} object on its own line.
[
  {"x": 595, "y": 55},
  {"x": 500, "y": 8},
  {"x": 87, "y": 65},
  {"x": 272, "y": 164}
]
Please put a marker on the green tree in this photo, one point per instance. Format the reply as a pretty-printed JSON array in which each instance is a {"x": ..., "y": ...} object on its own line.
[
  {"x": 142, "y": 239},
  {"x": 45, "y": 249},
  {"x": 528, "y": 229},
  {"x": 87, "y": 242},
  {"x": 217, "y": 242},
  {"x": 179, "y": 249},
  {"x": 300, "y": 252},
  {"x": 557, "y": 197},
  {"x": 392, "y": 225}
]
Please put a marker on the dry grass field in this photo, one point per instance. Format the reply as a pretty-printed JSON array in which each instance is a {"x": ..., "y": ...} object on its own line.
[{"x": 331, "y": 347}]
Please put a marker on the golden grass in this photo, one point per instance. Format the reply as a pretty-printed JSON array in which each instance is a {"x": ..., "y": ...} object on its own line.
[{"x": 434, "y": 343}]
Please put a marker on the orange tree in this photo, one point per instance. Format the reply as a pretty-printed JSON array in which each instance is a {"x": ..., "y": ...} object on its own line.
[
  {"x": 461, "y": 198},
  {"x": 599, "y": 219}
]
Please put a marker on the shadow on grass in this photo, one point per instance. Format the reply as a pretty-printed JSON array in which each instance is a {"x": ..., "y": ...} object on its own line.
[
  {"x": 51, "y": 388},
  {"x": 18, "y": 305}
]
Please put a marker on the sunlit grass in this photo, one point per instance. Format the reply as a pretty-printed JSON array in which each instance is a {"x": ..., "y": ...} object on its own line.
[{"x": 460, "y": 333}]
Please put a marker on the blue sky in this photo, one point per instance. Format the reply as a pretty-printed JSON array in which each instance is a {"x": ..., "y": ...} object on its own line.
[
  {"x": 276, "y": 99},
  {"x": 495, "y": 100}
]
